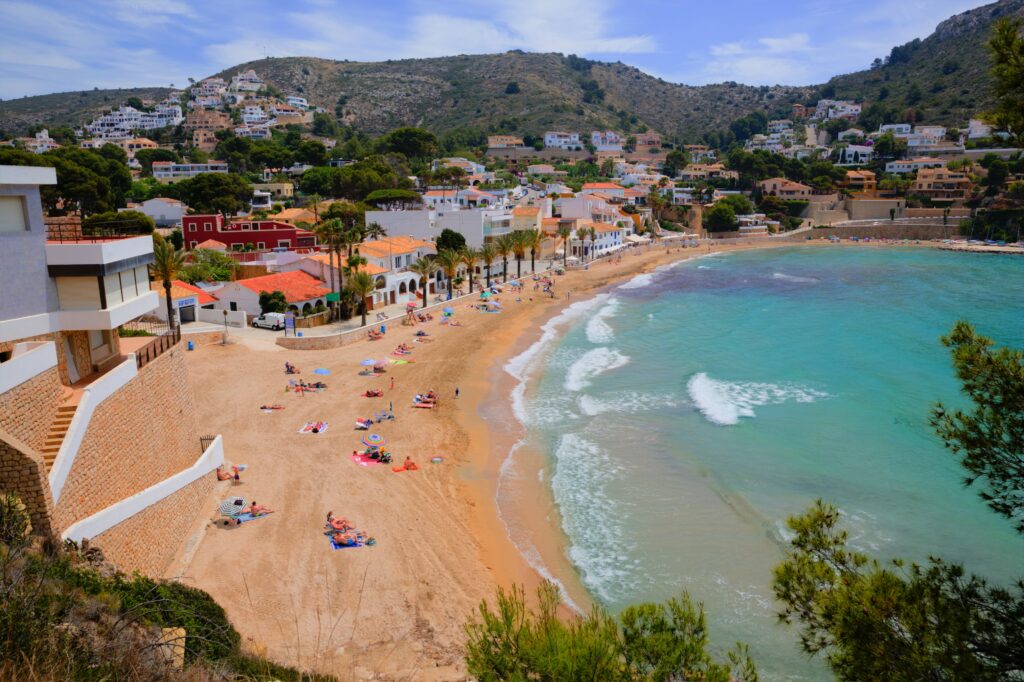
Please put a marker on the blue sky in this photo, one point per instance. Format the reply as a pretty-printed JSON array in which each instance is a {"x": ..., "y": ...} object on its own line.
[{"x": 58, "y": 45}]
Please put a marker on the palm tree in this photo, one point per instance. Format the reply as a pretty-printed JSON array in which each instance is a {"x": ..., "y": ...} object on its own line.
[
  {"x": 374, "y": 231},
  {"x": 361, "y": 285},
  {"x": 534, "y": 240},
  {"x": 329, "y": 232},
  {"x": 449, "y": 261},
  {"x": 565, "y": 231},
  {"x": 167, "y": 261},
  {"x": 469, "y": 257},
  {"x": 591, "y": 234},
  {"x": 519, "y": 247},
  {"x": 504, "y": 246},
  {"x": 488, "y": 253},
  {"x": 424, "y": 268}
]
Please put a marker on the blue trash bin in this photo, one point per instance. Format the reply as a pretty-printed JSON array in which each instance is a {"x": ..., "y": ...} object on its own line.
[
  {"x": 298, "y": 333},
  {"x": 383, "y": 329},
  {"x": 191, "y": 346}
]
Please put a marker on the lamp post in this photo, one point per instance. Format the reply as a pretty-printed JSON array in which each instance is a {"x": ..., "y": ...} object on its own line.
[{"x": 224, "y": 337}]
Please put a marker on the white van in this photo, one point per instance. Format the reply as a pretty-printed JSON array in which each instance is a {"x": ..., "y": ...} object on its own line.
[{"x": 273, "y": 321}]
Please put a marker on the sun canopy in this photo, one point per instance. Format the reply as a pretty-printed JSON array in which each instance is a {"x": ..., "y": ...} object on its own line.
[
  {"x": 232, "y": 507},
  {"x": 373, "y": 440}
]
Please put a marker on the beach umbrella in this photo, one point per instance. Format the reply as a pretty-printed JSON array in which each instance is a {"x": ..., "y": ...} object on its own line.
[
  {"x": 484, "y": 295},
  {"x": 232, "y": 507},
  {"x": 368, "y": 363},
  {"x": 321, "y": 370},
  {"x": 448, "y": 310},
  {"x": 373, "y": 440}
]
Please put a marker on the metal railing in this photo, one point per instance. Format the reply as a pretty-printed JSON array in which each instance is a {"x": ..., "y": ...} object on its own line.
[
  {"x": 157, "y": 347},
  {"x": 205, "y": 442},
  {"x": 92, "y": 235}
]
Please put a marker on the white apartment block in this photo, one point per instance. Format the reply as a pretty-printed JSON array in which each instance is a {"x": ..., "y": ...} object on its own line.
[
  {"x": 209, "y": 87},
  {"x": 120, "y": 123},
  {"x": 828, "y": 109},
  {"x": 298, "y": 102},
  {"x": 246, "y": 81},
  {"x": 169, "y": 171},
  {"x": 254, "y": 114},
  {"x": 913, "y": 165},
  {"x": 554, "y": 139}
]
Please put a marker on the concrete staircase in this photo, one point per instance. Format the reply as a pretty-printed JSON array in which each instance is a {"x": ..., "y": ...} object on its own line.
[{"x": 54, "y": 439}]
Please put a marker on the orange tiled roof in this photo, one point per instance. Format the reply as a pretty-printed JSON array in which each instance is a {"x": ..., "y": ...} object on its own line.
[
  {"x": 368, "y": 268},
  {"x": 392, "y": 246},
  {"x": 602, "y": 185},
  {"x": 211, "y": 244},
  {"x": 526, "y": 210},
  {"x": 181, "y": 289},
  {"x": 605, "y": 227},
  {"x": 296, "y": 285}
]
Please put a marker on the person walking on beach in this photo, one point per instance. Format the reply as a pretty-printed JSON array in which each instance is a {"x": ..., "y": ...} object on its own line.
[
  {"x": 456, "y": 392},
  {"x": 392, "y": 383}
]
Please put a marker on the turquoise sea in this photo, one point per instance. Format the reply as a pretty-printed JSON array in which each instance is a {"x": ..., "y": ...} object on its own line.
[{"x": 688, "y": 412}]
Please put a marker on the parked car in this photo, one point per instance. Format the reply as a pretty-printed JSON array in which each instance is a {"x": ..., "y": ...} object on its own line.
[{"x": 273, "y": 321}]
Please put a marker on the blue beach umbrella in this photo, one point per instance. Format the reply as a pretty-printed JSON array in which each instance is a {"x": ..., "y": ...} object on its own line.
[
  {"x": 368, "y": 363},
  {"x": 448, "y": 310},
  {"x": 321, "y": 370}
]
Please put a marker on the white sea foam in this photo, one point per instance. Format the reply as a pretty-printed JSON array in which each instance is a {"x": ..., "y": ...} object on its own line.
[
  {"x": 591, "y": 518},
  {"x": 508, "y": 473},
  {"x": 519, "y": 366},
  {"x": 793, "y": 278},
  {"x": 598, "y": 329},
  {"x": 593, "y": 363},
  {"x": 725, "y": 402},
  {"x": 627, "y": 402},
  {"x": 640, "y": 281}
]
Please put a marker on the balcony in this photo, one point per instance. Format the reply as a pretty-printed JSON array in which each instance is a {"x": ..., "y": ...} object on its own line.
[
  {"x": 111, "y": 317},
  {"x": 68, "y": 254}
]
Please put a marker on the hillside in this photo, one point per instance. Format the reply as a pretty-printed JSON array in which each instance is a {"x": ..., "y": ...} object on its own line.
[
  {"x": 451, "y": 92},
  {"x": 950, "y": 69},
  {"x": 944, "y": 77},
  {"x": 470, "y": 91},
  {"x": 66, "y": 108}
]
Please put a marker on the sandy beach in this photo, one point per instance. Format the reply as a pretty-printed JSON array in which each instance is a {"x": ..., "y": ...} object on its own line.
[{"x": 394, "y": 610}]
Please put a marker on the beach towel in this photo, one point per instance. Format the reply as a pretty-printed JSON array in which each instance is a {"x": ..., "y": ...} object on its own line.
[
  {"x": 308, "y": 427},
  {"x": 247, "y": 516},
  {"x": 364, "y": 460},
  {"x": 337, "y": 546},
  {"x": 425, "y": 406}
]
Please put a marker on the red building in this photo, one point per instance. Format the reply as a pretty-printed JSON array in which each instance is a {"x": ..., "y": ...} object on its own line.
[{"x": 260, "y": 234}]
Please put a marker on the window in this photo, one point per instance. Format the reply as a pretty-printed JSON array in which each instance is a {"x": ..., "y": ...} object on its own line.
[
  {"x": 192, "y": 244},
  {"x": 286, "y": 243},
  {"x": 234, "y": 306},
  {"x": 13, "y": 215},
  {"x": 261, "y": 245},
  {"x": 207, "y": 225}
]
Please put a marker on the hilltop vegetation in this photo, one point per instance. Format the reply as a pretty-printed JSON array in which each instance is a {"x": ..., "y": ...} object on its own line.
[
  {"x": 944, "y": 79},
  {"x": 67, "y": 108}
]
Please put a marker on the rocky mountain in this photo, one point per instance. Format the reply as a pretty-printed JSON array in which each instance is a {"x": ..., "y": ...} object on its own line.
[{"x": 944, "y": 78}]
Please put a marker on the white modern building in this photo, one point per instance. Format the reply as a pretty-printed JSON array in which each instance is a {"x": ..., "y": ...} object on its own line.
[
  {"x": 607, "y": 141},
  {"x": 555, "y": 139},
  {"x": 298, "y": 102},
  {"x": 169, "y": 171}
]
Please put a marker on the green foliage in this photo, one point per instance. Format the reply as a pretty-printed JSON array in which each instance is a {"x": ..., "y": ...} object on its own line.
[
  {"x": 740, "y": 204},
  {"x": 272, "y": 302},
  {"x": 326, "y": 125},
  {"x": 144, "y": 189},
  {"x": 894, "y": 622},
  {"x": 126, "y": 332},
  {"x": 146, "y": 157},
  {"x": 208, "y": 265},
  {"x": 450, "y": 240},
  {"x": 224, "y": 193},
  {"x": 656, "y": 642},
  {"x": 390, "y": 199},
  {"x": 118, "y": 222},
  {"x": 88, "y": 180},
  {"x": 177, "y": 239},
  {"x": 62, "y": 619},
  {"x": 990, "y": 439},
  {"x": 1006, "y": 47},
  {"x": 356, "y": 180},
  {"x": 413, "y": 143},
  {"x": 675, "y": 161},
  {"x": 512, "y": 88},
  {"x": 14, "y": 523},
  {"x": 720, "y": 218}
]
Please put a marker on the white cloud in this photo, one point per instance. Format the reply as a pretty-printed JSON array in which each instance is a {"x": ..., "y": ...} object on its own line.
[
  {"x": 797, "y": 42},
  {"x": 726, "y": 50}
]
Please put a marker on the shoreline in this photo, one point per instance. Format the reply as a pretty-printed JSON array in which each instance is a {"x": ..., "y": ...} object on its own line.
[{"x": 395, "y": 610}]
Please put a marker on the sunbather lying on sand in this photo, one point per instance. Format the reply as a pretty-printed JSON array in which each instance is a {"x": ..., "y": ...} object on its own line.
[
  {"x": 349, "y": 539},
  {"x": 289, "y": 368},
  {"x": 271, "y": 407},
  {"x": 257, "y": 509}
]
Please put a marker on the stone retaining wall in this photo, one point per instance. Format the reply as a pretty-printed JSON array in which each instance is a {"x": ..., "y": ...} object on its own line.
[
  {"x": 887, "y": 231},
  {"x": 148, "y": 541},
  {"x": 204, "y": 338},
  {"x": 27, "y": 411},
  {"x": 142, "y": 434},
  {"x": 22, "y": 472}
]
